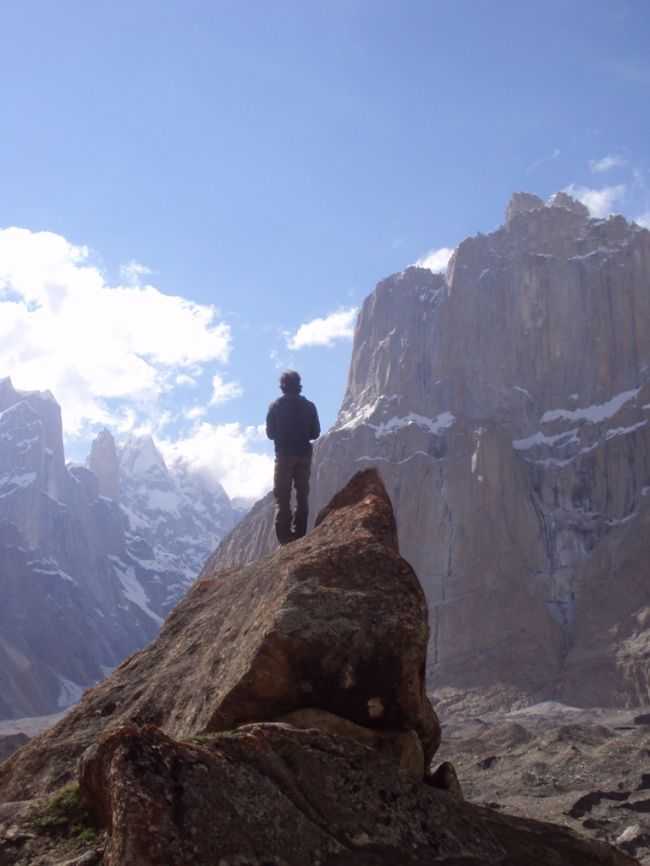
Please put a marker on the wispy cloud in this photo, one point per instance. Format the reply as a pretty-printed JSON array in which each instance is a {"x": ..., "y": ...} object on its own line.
[
  {"x": 611, "y": 160},
  {"x": 64, "y": 327},
  {"x": 535, "y": 166},
  {"x": 132, "y": 273},
  {"x": 600, "y": 202},
  {"x": 278, "y": 361},
  {"x": 644, "y": 220},
  {"x": 228, "y": 453},
  {"x": 435, "y": 260},
  {"x": 324, "y": 331},
  {"x": 223, "y": 391},
  {"x": 192, "y": 413}
]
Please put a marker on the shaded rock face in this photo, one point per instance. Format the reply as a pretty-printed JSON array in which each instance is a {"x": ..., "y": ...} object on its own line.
[
  {"x": 336, "y": 621},
  {"x": 10, "y": 743},
  {"x": 64, "y": 615},
  {"x": 508, "y": 406},
  {"x": 102, "y": 461},
  {"x": 273, "y": 794},
  {"x": 84, "y": 579}
]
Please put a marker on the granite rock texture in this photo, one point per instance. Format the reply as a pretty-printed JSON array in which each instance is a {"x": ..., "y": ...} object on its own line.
[
  {"x": 336, "y": 621},
  {"x": 274, "y": 794},
  {"x": 507, "y": 405}
]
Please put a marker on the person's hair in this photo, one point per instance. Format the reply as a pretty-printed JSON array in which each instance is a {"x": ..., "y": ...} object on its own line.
[{"x": 290, "y": 382}]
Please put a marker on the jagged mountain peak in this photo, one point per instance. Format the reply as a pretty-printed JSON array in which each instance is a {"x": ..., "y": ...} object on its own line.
[
  {"x": 7, "y": 391},
  {"x": 91, "y": 557},
  {"x": 563, "y": 199},
  {"x": 139, "y": 456},
  {"x": 10, "y": 395},
  {"x": 526, "y": 202},
  {"x": 522, "y": 202},
  {"x": 103, "y": 461}
]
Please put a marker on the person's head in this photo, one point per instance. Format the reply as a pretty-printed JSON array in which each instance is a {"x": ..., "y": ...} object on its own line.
[{"x": 290, "y": 382}]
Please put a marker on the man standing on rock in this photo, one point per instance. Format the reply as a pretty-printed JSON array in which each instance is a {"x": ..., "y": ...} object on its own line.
[{"x": 291, "y": 422}]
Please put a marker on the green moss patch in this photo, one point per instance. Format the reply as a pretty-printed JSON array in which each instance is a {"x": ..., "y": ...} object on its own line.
[{"x": 66, "y": 814}]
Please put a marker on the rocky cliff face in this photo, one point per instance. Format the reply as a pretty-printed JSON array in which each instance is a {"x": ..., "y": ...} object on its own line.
[
  {"x": 507, "y": 405},
  {"x": 103, "y": 463},
  {"x": 279, "y": 717},
  {"x": 84, "y": 579}
]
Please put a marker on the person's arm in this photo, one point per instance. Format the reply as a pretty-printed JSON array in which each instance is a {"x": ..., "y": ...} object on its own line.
[
  {"x": 314, "y": 428},
  {"x": 270, "y": 423}
]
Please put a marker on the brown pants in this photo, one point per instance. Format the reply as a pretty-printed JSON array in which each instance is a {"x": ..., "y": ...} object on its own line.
[{"x": 291, "y": 471}]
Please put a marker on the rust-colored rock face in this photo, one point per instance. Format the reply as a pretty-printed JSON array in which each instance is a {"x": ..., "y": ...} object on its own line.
[
  {"x": 335, "y": 621},
  {"x": 274, "y": 794}
]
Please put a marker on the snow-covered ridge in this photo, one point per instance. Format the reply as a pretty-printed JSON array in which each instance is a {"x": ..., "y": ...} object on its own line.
[
  {"x": 435, "y": 425},
  {"x": 142, "y": 532},
  {"x": 350, "y": 419},
  {"x": 622, "y": 431},
  {"x": 558, "y": 449},
  {"x": 133, "y": 589},
  {"x": 360, "y": 417},
  {"x": 593, "y": 414},
  {"x": 540, "y": 438},
  {"x": 19, "y": 478},
  {"x": 7, "y": 385}
]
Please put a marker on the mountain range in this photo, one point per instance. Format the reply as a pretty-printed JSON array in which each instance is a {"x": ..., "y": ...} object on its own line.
[{"x": 92, "y": 558}]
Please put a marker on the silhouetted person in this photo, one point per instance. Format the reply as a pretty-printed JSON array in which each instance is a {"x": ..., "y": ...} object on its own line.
[{"x": 291, "y": 422}]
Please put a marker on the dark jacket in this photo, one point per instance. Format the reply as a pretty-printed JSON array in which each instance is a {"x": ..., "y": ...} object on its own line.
[{"x": 291, "y": 422}]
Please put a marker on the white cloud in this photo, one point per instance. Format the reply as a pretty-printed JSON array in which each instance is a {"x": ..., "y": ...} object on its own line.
[
  {"x": 63, "y": 327},
  {"x": 324, "y": 332},
  {"x": 224, "y": 391},
  {"x": 276, "y": 360},
  {"x": 611, "y": 160},
  {"x": 644, "y": 220},
  {"x": 191, "y": 413},
  {"x": 226, "y": 453},
  {"x": 132, "y": 272},
  {"x": 435, "y": 260},
  {"x": 600, "y": 202}
]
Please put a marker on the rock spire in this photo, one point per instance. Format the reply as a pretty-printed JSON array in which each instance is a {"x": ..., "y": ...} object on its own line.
[{"x": 507, "y": 405}]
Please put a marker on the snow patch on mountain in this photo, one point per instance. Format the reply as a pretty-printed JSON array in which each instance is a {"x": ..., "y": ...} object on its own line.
[
  {"x": 435, "y": 425},
  {"x": 133, "y": 589},
  {"x": 595, "y": 413}
]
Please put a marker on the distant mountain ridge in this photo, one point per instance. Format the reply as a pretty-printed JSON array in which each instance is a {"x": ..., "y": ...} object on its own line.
[
  {"x": 507, "y": 406},
  {"x": 92, "y": 558}
]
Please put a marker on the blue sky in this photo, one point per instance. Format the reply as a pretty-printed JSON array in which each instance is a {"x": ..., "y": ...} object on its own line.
[{"x": 273, "y": 161}]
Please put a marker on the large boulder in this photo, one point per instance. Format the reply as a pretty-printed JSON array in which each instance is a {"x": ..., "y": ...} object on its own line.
[
  {"x": 274, "y": 795},
  {"x": 336, "y": 621}
]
